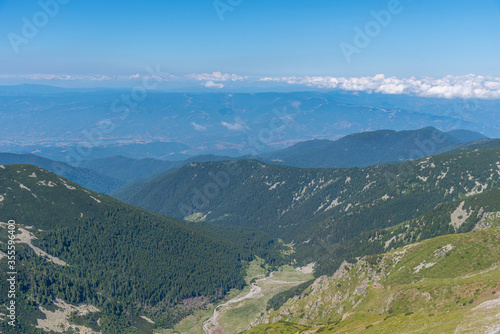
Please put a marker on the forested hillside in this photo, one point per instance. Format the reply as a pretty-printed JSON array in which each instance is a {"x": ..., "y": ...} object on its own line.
[
  {"x": 433, "y": 275},
  {"x": 481, "y": 144},
  {"x": 123, "y": 260},
  {"x": 317, "y": 206}
]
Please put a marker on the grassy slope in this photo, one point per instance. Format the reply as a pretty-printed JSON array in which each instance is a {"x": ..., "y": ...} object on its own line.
[
  {"x": 479, "y": 211},
  {"x": 390, "y": 294}
]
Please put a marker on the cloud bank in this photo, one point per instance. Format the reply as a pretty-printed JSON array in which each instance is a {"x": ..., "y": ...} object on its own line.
[
  {"x": 216, "y": 79},
  {"x": 466, "y": 87}
]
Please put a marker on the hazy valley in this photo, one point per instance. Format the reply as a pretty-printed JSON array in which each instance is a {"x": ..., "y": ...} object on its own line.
[{"x": 264, "y": 246}]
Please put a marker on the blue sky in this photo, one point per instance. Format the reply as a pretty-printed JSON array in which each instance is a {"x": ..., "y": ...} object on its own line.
[{"x": 257, "y": 38}]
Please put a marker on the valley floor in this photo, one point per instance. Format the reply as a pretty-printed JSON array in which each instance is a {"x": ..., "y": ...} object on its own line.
[{"x": 243, "y": 306}]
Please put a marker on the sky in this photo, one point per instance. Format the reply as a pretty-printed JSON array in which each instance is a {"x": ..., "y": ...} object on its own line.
[{"x": 109, "y": 43}]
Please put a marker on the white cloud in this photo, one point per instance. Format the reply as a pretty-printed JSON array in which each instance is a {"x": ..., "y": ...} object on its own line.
[
  {"x": 391, "y": 89},
  {"x": 468, "y": 86},
  {"x": 159, "y": 78},
  {"x": 216, "y": 77},
  {"x": 198, "y": 127},
  {"x": 211, "y": 84},
  {"x": 237, "y": 126},
  {"x": 290, "y": 80}
]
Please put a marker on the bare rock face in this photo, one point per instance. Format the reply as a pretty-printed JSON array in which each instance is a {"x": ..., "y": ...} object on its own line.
[
  {"x": 343, "y": 270},
  {"x": 487, "y": 219}
]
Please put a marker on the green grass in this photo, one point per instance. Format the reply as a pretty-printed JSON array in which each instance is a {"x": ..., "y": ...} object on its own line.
[
  {"x": 279, "y": 328},
  {"x": 236, "y": 317},
  {"x": 434, "y": 300},
  {"x": 288, "y": 273},
  {"x": 192, "y": 324},
  {"x": 401, "y": 323},
  {"x": 461, "y": 260},
  {"x": 256, "y": 269}
]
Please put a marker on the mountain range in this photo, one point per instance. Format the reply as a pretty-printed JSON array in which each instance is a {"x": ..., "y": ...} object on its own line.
[
  {"x": 212, "y": 188},
  {"x": 84, "y": 176},
  {"x": 216, "y": 123},
  {"x": 371, "y": 148},
  {"x": 109, "y": 173},
  {"x": 379, "y": 233},
  {"x": 131, "y": 170},
  {"x": 91, "y": 247}
]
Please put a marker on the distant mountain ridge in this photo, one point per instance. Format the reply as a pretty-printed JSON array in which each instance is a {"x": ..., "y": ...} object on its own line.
[
  {"x": 307, "y": 154},
  {"x": 130, "y": 170},
  {"x": 481, "y": 144},
  {"x": 72, "y": 155},
  {"x": 106, "y": 175},
  {"x": 371, "y": 148},
  {"x": 87, "y": 178}
]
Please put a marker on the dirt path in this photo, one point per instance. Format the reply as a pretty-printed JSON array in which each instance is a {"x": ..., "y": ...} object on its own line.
[{"x": 212, "y": 327}]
